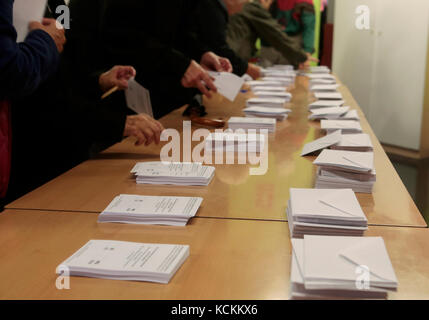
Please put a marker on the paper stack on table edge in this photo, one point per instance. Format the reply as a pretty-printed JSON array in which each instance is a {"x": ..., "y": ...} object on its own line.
[
  {"x": 131, "y": 261},
  {"x": 325, "y": 212},
  {"x": 161, "y": 210}
]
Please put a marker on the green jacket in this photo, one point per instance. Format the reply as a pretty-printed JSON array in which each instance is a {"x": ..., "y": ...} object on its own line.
[{"x": 254, "y": 22}]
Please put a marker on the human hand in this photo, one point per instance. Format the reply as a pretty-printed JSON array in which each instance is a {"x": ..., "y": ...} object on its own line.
[
  {"x": 54, "y": 29},
  {"x": 118, "y": 76},
  {"x": 213, "y": 62},
  {"x": 196, "y": 77},
  {"x": 146, "y": 129},
  {"x": 253, "y": 71}
]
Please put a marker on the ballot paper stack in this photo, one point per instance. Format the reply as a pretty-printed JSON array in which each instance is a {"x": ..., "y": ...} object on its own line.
[
  {"x": 325, "y": 212},
  {"x": 328, "y": 113},
  {"x": 325, "y": 104},
  {"x": 286, "y": 96},
  {"x": 346, "y": 126},
  {"x": 268, "y": 89},
  {"x": 354, "y": 142},
  {"x": 324, "y": 87},
  {"x": 266, "y": 102},
  {"x": 328, "y": 95},
  {"x": 338, "y": 267},
  {"x": 338, "y": 169},
  {"x": 259, "y": 83},
  {"x": 235, "y": 142},
  {"x": 320, "y": 69},
  {"x": 247, "y": 123},
  {"x": 135, "y": 209},
  {"x": 173, "y": 173},
  {"x": 130, "y": 261},
  {"x": 277, "y": 113},
  {"x": 285, "y": 81}
]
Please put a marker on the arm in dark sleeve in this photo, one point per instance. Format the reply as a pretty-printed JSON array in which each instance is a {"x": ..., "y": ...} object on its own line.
[
  {"x": 129, "y": 38},
  {"x": 271, "y": 32},
  {"x": 211, "y": 24},
  {"x": 23, "y": 66}
]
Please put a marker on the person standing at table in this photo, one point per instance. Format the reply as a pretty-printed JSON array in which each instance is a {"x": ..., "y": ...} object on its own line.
[
  {"x": 210, "y": 22},
  {"x": 23, "y": 68},
  {"x": 153, "y": 37},
  {"x": 298, "y": 21},
  {"x": 252, "y": 20}
]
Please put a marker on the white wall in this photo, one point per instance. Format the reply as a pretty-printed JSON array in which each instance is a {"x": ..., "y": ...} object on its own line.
[{"x": 384, "y": 67}]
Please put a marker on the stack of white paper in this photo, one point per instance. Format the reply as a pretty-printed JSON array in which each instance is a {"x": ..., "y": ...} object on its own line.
[
  {"x": 279, "y": 68},
  {"x": 235, "y": 142},
  {"x": 328, "y": 113},
  {"x": 172, "y": 211},
  {"x": 325, "y": 212},
  {"x": 325, "y": 104},
  {"x": 341, "y": 268},
  {"x": 320, "y": 69},
  {"x": 340, "y": 169},
  {"x": 346, "y": 126},
  {"x": 271, "y": 89},
  {"x": 324, "y": 87},
  {"x": 354, "y": 142},
  {"x": 174, "y": 173},
  {"x": 264, "y": 112},
  {"x": 260, "y": 83},
  {"x": 328, "y": 95},
  {"x": 247, "y": 123},
  {"x": 279, "y": 74},
  {"x": 287, "y": 96},
  {"x": 315, "y": 81},
  {"x": 120, "y": 260},
  {"x": 283, "y": 80},
  {"x": 318, "y": 76},
  {"x": 315, "y": 146},
  {"x": 266, "y": 102}
]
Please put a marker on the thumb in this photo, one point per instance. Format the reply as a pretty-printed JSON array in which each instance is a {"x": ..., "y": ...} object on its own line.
[{"x": 34, "y": 25}]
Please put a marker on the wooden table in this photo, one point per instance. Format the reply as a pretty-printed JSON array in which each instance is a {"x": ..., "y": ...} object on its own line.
[
  {"x": 229, "y": 259},
  {"x": 233, "y": 193}
]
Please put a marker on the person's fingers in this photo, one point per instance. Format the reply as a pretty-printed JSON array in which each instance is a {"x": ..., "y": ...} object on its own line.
[
  {"x": 48, "y": 21},
  {"x": 203, "y": 89},
  {"x": 209, "y": 82},
  {"x": 136, "y": 132},
  {"x": 149, "y": 135}
]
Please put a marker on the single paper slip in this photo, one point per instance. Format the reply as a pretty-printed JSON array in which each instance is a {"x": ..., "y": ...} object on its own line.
[
  {"x": 322, "y": 143},
  {"x": 346, "y": 126},
  {"x": 138, "y": 98},
  {"x": 313, "y": 76},
  {"x": 227, "y": 84},
  {"x": 328, "y": 95},
  {"x": 132, "y": 261},
  {"x": 326, "y": 104},
  {"x": 346, "y": 160},
  {"x": 25, "y": 11},
  {"x": 320, "y": 69},
  {"x": 151, "y": 210}
]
